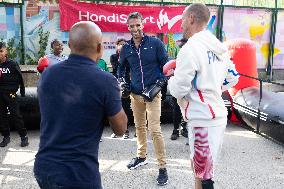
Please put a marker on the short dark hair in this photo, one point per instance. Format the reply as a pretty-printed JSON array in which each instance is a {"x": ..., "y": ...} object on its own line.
[
  {"x": 134, "y": 15},
  {"x": 120, "y": 40},
  {"x": 53, "y": 42},
  {"x": 2, "y": 45}
]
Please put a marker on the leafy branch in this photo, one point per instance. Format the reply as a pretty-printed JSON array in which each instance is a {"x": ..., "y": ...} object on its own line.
[
  {"x": 13, "y": 49},
  {"x": 43, "y": 40}
]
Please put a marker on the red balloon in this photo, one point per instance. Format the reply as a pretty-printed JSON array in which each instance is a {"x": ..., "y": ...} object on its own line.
[
  {"x": 168, "y": 67},
  {"x": 42, "y": 64}
]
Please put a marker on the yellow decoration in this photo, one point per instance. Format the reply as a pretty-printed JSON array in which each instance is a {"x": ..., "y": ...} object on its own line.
[
  {"x": 257, "y": 30},
  {"x": 265, "y": 49},
  {"x": 171, "y": 41}
]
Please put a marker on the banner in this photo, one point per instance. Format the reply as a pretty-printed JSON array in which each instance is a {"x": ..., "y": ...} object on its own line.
[
  {"x": 279, "y": 42},
  {"x": 112, "y": 18}
]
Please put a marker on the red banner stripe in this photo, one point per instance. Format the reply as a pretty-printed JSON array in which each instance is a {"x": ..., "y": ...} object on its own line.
[{"x": 113, "y": 18}]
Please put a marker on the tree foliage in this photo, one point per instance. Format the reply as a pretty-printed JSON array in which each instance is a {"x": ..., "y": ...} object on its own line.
[
  {"x": 43, "y": 40},
  {"x": 13, "y": 49}
]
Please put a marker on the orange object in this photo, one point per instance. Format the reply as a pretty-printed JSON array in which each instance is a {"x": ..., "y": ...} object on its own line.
[
  {"x": 168, "y": 67},
  {"x": 42, "y": 64},
  {"x": 243, "y": 54}
]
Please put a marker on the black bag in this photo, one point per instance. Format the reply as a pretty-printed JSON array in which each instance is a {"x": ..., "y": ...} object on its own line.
[{"x": 150, "y": 92}]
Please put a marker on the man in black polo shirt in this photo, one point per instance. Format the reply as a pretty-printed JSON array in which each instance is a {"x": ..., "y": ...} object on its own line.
[{"x": 73, "y": 100}]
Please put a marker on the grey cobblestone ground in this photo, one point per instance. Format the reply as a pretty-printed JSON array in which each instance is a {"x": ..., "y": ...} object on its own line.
[{"x": 247, "y": 161}]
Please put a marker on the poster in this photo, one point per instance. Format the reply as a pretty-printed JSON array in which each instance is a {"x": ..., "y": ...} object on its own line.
[{"x": 250, "y": 24}]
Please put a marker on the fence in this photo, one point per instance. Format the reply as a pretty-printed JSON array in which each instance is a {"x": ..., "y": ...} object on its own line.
[
  {"x": 270, "y": 10},
  {"x": 264, "y": 113}
]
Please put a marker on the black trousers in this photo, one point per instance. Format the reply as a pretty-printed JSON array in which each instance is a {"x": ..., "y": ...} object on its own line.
[
  {"x": 126, "y": 107},
  {"x": 8, "y": 103},
  {"x": 177, "y": 116}
]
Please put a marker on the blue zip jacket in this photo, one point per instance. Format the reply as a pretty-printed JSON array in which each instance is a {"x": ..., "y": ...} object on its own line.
[{"x": 145, "y": 62}]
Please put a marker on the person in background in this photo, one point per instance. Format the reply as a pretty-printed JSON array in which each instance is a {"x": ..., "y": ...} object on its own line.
[
  {"x": 146, "y": 57},
  {"x": 56, "y": 56},
  {"x": 103, "y": 65},
  {"x": 114, "y": 59},
  {"x": 203, "y": 70},
  {"x": 52, "y": 58},
  {"x": 74, "y": 101},
  {"x": 177, "y": 116},
  {"x": 10, "y": 80},
  {"x": 178, "y": 121}
]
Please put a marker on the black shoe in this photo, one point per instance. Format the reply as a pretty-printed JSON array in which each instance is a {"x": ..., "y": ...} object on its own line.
[
  {"x": 162, "y": 177},
  {"x": 207, "y": 184},
  {"x": 183, "y": 124},
  {"x": 175, "y": 135},
  {"x": 137, "y": 162},
  {"x": 135, "y": 135},
  {"x": 184, "y": 133},
  {"x": 24, "y": 141},
  {"x": 5, "y": 141},
  {"x": 126, "y": 135}
]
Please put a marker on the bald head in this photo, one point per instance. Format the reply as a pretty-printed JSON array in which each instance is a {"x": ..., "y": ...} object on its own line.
[
  {"x": 194, "y": 19},
  {"x": 85, "y": 38},
  {"x": 200, "y": 12}
]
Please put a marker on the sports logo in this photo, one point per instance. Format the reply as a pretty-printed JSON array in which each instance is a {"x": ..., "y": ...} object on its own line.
[
  {"x": 164, "y": 19},
  {"x": 4, "y": 71}
]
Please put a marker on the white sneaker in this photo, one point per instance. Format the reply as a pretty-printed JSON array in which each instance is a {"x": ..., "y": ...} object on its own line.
[{"x": 113, "y": 135}]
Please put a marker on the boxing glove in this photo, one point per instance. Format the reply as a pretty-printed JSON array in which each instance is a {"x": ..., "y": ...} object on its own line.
[
  {"x": 42, "y": 64},
  {"x": 169, "y": 67}
]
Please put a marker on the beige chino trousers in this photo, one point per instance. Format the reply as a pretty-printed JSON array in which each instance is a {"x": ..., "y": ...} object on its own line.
[{"x": 144, "y": 111}]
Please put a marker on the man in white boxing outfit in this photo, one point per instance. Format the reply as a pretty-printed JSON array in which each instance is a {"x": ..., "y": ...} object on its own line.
[{"x": 203, "y": 71}]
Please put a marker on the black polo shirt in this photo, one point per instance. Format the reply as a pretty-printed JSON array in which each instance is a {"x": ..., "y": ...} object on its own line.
[{"x": 74, "y": 97}]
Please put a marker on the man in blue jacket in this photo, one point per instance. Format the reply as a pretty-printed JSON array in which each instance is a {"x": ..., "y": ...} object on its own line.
[{"x": 145, "y": 56}]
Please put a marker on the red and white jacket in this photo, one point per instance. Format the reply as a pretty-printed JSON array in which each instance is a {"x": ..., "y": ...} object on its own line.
[{"x": 203, "y": 71}]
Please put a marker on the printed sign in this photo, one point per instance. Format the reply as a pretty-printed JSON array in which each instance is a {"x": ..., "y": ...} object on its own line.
[{"x": 113, "y": 18}]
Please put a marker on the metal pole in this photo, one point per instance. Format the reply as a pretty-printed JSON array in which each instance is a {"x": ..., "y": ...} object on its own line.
[
  {"x": 22, "y": 34},
  {"x": 273, "y": 40},
  {"x": 258, "y": 109},
  {"x": 220, "y": 21}
]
